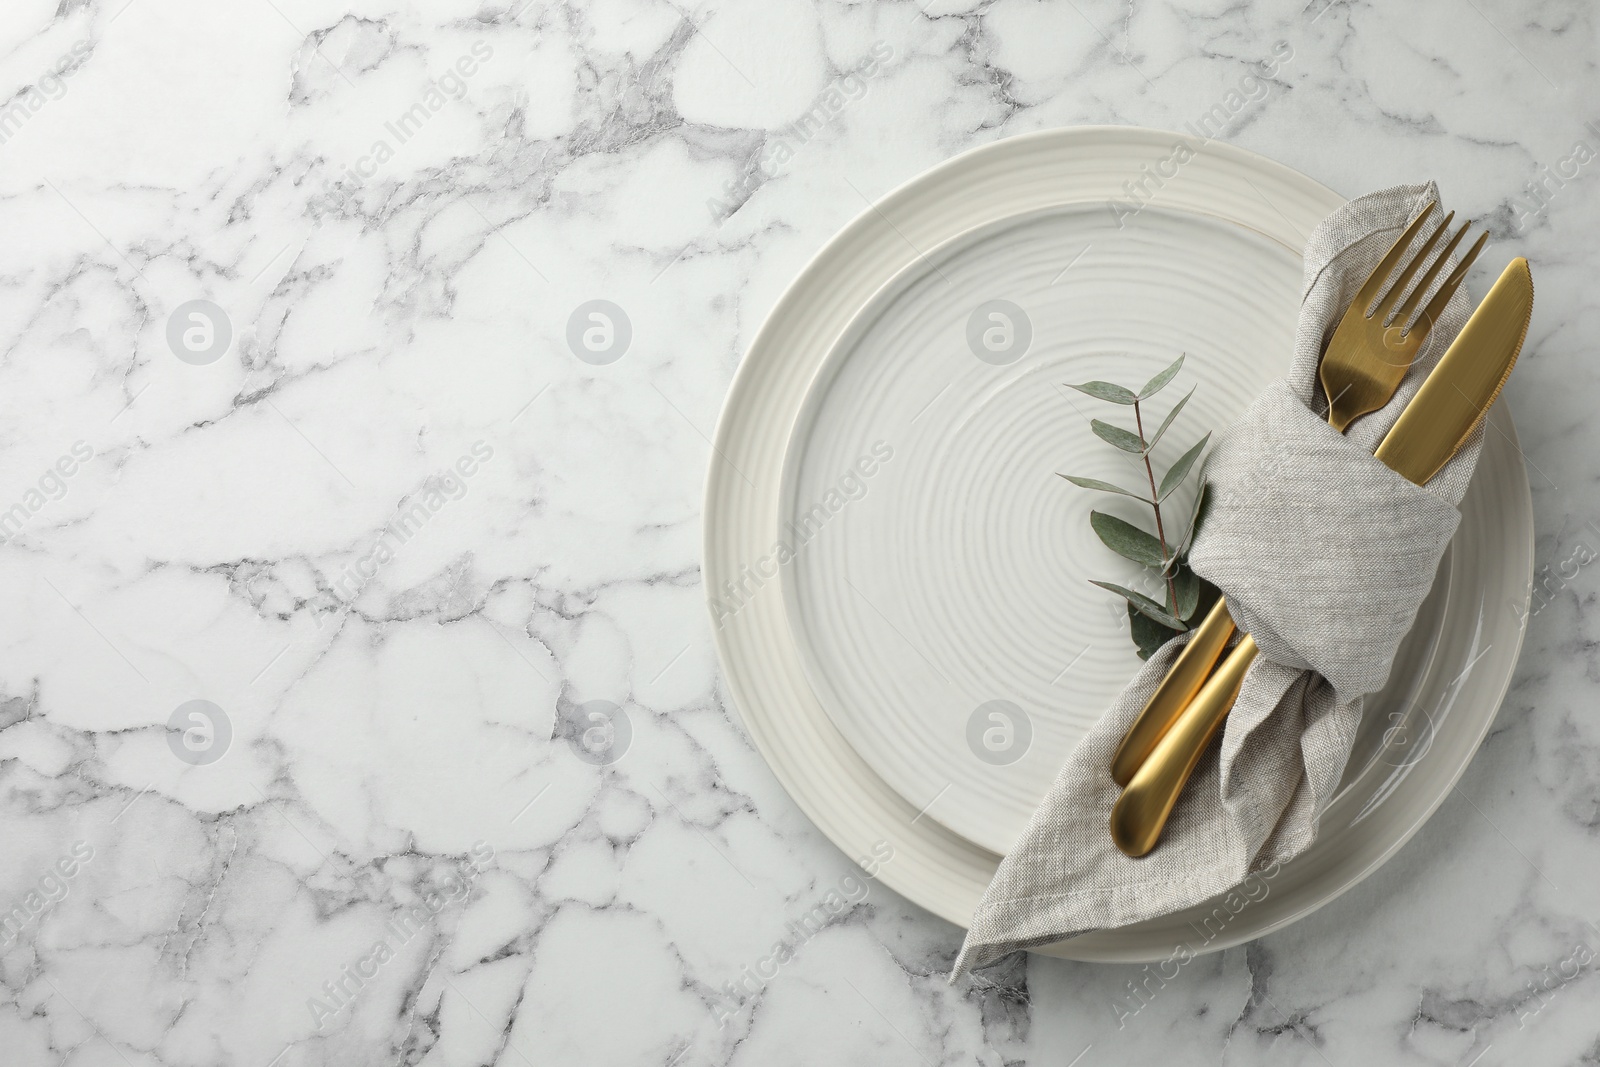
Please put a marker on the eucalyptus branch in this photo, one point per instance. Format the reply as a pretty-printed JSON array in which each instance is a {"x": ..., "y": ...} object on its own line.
[
  {"x": 1155, "y": 504},
  {"x": 1151, "y": 623}
]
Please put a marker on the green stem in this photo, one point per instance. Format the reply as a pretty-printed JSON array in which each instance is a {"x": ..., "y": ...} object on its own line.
[{"x": 1155, "y": 502}]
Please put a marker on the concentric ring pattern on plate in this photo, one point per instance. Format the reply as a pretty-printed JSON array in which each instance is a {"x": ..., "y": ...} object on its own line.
[
  {"x": 953, "y": 570},
  {"x": 1384, "y": 800}
]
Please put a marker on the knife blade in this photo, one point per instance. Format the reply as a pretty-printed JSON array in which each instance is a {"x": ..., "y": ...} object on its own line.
[
  {"x": 1466, "y": 381},
  {"x": 1432, "y": 428}
]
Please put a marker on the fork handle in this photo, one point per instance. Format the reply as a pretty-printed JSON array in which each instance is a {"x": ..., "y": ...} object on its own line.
[
  {"x": 1165, "y": 706},
  {"x": 1141, "y": 812}
]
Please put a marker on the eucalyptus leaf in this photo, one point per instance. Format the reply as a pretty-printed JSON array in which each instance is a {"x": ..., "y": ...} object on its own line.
[
  {"x": 1180, "y": 470},
  {"x": 1162, "y": 429},
  {"x": 1104, "y": 487},
  {"x": 1127, "y": 540},
  {"x": 1106, "y": 391},
  {"x": 1148, "y": 635},
  {"x": 1144, "y": 605},
  {"x": 1202, "y": 502},
  {"x": 1186, "y": 583},
  {"x": 1159, "y": 382},
  {"x": 1116, "y": 435}
]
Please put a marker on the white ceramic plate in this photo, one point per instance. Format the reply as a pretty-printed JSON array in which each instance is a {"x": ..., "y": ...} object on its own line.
[
  {"x": 958, "y": 546},
  {"x": 943, "y": 611}
]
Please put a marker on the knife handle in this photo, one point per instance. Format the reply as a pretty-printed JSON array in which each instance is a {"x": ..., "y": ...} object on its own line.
[
  {"x": 1141, "y": 812},
  {"x": 1184, "y": 679}
]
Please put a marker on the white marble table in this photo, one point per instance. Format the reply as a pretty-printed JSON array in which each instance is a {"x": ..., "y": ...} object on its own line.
[{"x": 373, "y": 512}]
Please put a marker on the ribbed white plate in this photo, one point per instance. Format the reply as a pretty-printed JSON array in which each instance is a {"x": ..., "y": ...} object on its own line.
[
  {"x": 901, "y": 491},
  {"x": 943, "y": 611}
]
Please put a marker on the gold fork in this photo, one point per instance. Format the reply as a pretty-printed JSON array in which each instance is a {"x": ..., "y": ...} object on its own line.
[{"x": 1373, "y": 346}]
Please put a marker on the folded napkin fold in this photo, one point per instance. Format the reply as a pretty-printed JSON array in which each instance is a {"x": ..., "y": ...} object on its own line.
[{"x": 1324, "y": 556}]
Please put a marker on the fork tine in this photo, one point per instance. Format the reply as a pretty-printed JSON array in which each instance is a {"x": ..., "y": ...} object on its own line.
[
  {"x": 1380, "y": 273},
  {"x": 1403, "y": 316},
  {"x": 1398, "y": 289},
  {"x": 1436, "y": 306}
]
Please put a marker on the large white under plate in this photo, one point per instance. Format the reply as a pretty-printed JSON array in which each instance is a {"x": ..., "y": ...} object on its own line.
[{"x": 943, "y": 564}]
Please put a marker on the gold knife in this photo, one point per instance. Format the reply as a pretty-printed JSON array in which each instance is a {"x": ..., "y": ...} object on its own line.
[{"x": 1437, "y": 422}]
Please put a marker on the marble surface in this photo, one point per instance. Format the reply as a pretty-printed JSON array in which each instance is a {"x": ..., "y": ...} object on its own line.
[{"x": 367, "y": 507}]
